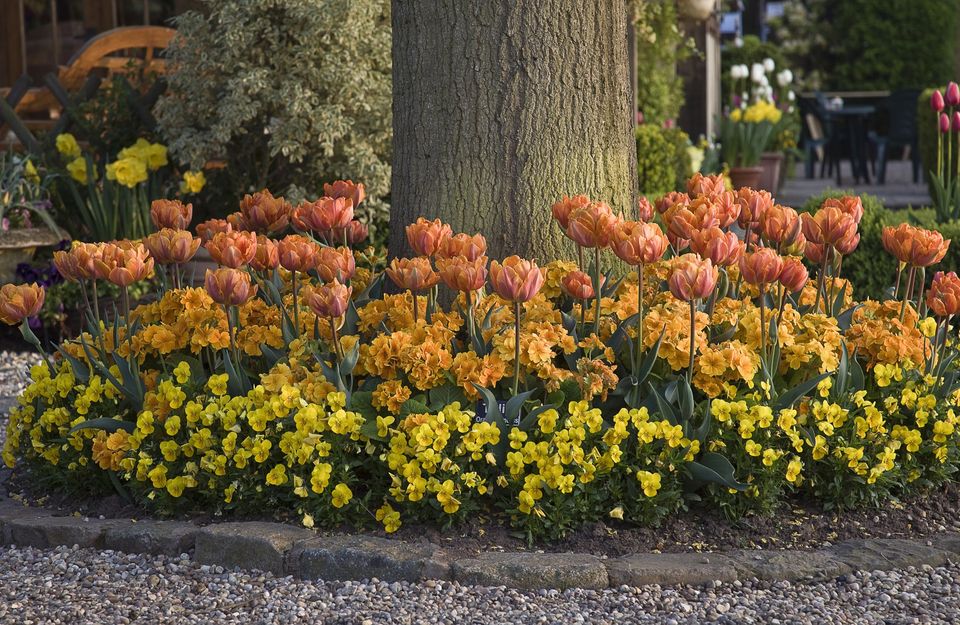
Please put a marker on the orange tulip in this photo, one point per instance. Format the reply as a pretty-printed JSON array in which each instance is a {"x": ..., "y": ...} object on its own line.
[
  {"x": 814, "y": 253},
  {"x": 413, "y": 274},
  {"x": 645, "y": 210},
  {"x": 122, "y": 266},
  {"x": 20, "y": 301},
  {"x": 267, "y": 257},
  {"x": 698, "y": 184},
  {"x": 208, "y": 229},
  {"x": 469, "y": 247},
  {"x": 87, "y": 255},
  {"x": 849, "y": 204},
  {"x": 943, "y": 297},
  {"x": 665, "y": 202},
  {"x": 228, "y": 286},
  {"x": 914, "y": 246},
  {"x": 761, "y": 267},
  {"x": 335, "y": 263},
  {"x": 637, "y": 243},
  {"x": 68, "y": 266},
  {"x": 781, "y": 227},
  {"x": 692, "y": 277},
  {"x": 683, "y": 220},
  {"x": 516, "y": 279},
  {"x": 579, "y": 285},
  {"x": 169, "y": 246},
  {"x": 171, "y": 214},
  {"x": 328, "y": 300},
  {"x": 233, "y": 249},
  {"x": 794, "y": 275},
  {"x": 463, "y": 274},
  {"x": 592, "y": 225},
  {"x": 105, "y": 259},
  {"x": 828, "y": 226},
  {"x": 347, "y": 189},
  {"x": 323, "y": 214},
  {"x": 425, "y": 237},
  {"x": 848, "y": 244},
  {"x": 564, "y": 208},
  {"x": 297, "y": 253},
  {"x": 753, "y": 204},
  {"x": 722, "y": 248},
  {"x": 353, "y": 233},
  {"x": 726, "y": 208},
  {"x": 264, "y": 213}
]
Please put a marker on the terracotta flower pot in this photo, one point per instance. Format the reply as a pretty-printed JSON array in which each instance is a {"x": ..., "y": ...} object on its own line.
[
  {"x": 18, "y": 246},
  {"x": 746, "y": 177},
  {"x": 771, "y": 163}
]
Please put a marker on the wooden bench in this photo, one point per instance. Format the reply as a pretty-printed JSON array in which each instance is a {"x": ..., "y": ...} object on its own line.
[{"x": 107, "y": 54}]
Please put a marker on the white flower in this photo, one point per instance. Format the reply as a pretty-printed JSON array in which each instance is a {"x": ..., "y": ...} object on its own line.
[
  {"x": 756, "y": 72},
  {"x": 791, "y": 95},
  {"x": 768, "y": 64},
  {"x": 738, "y": 42},
  {"x": 735, "y": 72},
  {"x": 764, "y": 81},
  {"x": 784, "y": 78}
]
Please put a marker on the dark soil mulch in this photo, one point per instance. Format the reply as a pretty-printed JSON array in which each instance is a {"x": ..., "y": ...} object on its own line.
[{"x": 797, "y": 525}]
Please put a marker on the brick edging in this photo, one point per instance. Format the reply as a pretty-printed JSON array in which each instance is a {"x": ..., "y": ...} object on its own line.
[{"x": 289, "y": 550}]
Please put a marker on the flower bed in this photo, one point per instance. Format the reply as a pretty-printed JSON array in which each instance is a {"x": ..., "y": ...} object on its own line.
[{"x": 293, "y": 382}]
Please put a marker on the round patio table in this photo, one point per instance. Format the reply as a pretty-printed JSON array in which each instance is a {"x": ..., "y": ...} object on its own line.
[{"x": 855, "y": 119}]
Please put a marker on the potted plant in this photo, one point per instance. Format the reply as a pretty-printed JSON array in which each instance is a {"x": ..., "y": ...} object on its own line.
[
  {"x": 25, "y": 221},
  {"x": 742, "y": 142}
]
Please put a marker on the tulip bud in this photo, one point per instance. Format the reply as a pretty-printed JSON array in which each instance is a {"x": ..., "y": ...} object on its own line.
[
  {"x": 953, "y": 94},
  {"x": 347, "y": 189},
  {"x": 579, "y": 285},
  {"x": 328, "y": 300},
  {"x": 19, "y": 302},
  {"x": 232, "y": 249},
  {"x": 129, "y": 265},
  {"x": 516, "y": 279},
  {"x": 692, "y": 277},
  {"x": 229, "y": 287},
  {"x": 638, "y": 243},
  {"x": 169, "y": 246},
  {"x": 936, "y": 101},
  {"x": 698, "y": 184},
  {"x": 267, "y": 257},
  {"x": 761, "y": 267},
  {"x": 956, "y": 121},
  {"x": 461, "y": 244},
  {"x": 413, "y": 274},
  {"x": 335, "y": 263},
  {"x": 645, "y": 210},
  {"x": 297, "y": 253},
  {"x": 943, "y": 297},
  {"x": 561, "y": 210},
  {"x": 208, "y": 229},
  {"x": 264, "y": 213},
  {"x": 324, "y": 214},
  {"x": 794, "y": 275},
  {"x": 463, "y": 274},
  {"x": 592, "y": 225},
  {"x": 664, "y": 203},
  {"x": 68, "y": 266},
  {"x": 944, "y": 123},
  {"x": 722, "y": 248},
  {"x": 171, "y": 214},
  {"x": 425, "y": 237}
]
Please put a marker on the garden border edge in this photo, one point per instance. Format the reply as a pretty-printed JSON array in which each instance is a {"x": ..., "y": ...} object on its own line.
[{"x": 289, "y": 550}]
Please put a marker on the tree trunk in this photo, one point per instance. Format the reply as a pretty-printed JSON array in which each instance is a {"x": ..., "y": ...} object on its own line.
[{"x": 500, "y": 108}]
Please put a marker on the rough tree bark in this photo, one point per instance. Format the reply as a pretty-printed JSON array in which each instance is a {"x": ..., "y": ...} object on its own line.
[{"x": 501, "y": 107}]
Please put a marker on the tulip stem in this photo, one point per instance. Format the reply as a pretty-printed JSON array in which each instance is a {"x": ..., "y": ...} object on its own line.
[
  {"x": 693, "y": 336},
  {"x": 943, "y": 344},
  {"x": 907, "y": 292},
  {"x": 96, "y": 305},
  {"x": 416, "y": 308},
  {"x": 337, "y": 349},
  {"x": 763, "y": 328},
  {"x": 471, "y": 321},
  {"x": 919, "y": 292},
  {"x": 821, "y": 279},
  {"x": 233, "y": 347},
  {"x": 896, "y": 286},
  {"x": 782, "y": 304},
  {"x": 516, "y": 348},
  {"x": 296, "y": 305},
  {"x": 596, "y": 288},
  {"x": 639, "y": 316}
]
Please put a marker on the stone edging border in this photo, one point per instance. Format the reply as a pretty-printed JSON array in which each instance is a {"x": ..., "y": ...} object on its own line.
[{"x": 289, "y": 550}]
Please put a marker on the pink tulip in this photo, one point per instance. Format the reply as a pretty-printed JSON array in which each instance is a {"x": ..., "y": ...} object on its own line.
[
  {"x": 956, "y": 121},
  {"x": 953, "y": 94},
  {"x": 936, "y": 101},
  {"x": 944, "y": 123}
]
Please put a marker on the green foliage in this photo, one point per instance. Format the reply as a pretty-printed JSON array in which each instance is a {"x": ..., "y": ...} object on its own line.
[
  {"x": 107, "y": 122},
  {"x": 742, "y": 143},
  {"x": 24, "y": 192},
  {"x": 893, "y": 44},
  {"x": 663, "y": 160},
  {"x": 287, "y": 93},
  {"x": 660, "y": 46},
  {"x": 804, "y": 40}
]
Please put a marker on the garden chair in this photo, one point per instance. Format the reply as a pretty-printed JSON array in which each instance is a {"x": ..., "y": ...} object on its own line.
[
  {"x": 901, "y": 107},
  {"x": 816, "y": 140}
]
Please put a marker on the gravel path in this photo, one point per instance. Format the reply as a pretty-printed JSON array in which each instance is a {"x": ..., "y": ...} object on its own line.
[{"x": 102, "y": 587}]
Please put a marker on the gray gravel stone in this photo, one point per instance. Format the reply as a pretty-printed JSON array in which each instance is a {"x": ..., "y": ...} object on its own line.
[
  {"x": 669, "y": 568},
  {"x": 359, "y": 557},
  {"x": 250, "y": 545},
  {"x": 531, "y": 571}
]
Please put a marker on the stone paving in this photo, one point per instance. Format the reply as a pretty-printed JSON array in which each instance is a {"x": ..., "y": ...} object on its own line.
[{"x": 898, "y": 192}]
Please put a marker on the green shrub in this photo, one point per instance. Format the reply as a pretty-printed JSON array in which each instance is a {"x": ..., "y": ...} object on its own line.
[
  {"x": 660, "y": 46},
  {"x": 663, "y": 161},
  {"x": 894, "y": 44},
  {"x": 287, "y": 93}
]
